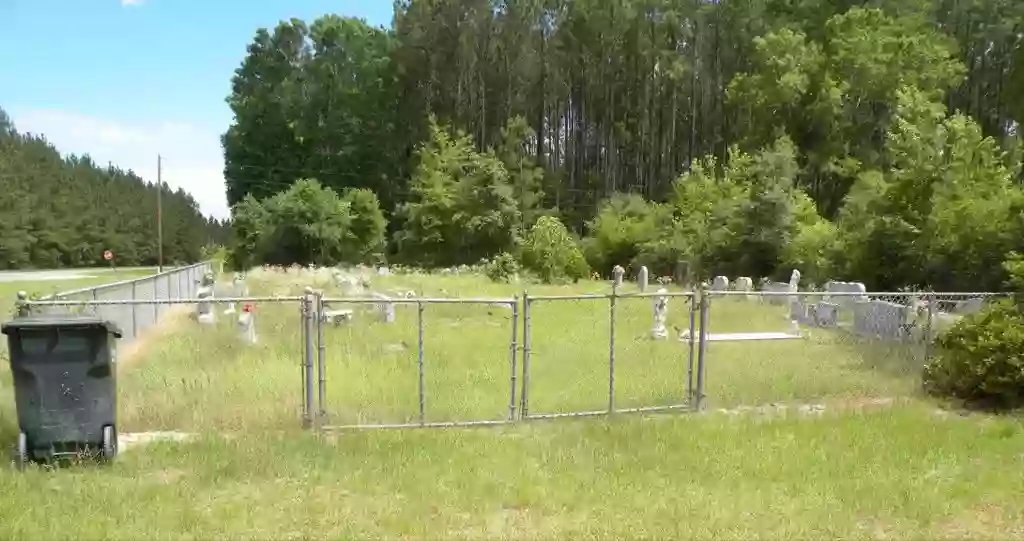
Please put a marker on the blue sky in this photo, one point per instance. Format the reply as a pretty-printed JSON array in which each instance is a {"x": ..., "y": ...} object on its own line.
[{"x": 123, "y": 80}]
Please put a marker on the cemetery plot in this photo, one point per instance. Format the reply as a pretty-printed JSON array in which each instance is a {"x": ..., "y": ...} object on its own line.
[
  {"x": 221, "y": 369},
  {"x": 567, "y": 356},
  {"x": 399, "y": 360},
  {"x": 876, "y": 354},
  {"x": 652, "y": 350}
]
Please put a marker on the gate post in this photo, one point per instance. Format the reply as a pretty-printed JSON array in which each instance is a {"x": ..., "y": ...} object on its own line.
[
  {"x": 321, "y": 363},
  {"x": 513, "y": 347},
  {"x": 307, "y": 358},
  {"x": 611, "y": 348},
  {"x": 705, "y": 307},
  {"x": 694, "y": 310},
  {"x": 524, "y": 398}
]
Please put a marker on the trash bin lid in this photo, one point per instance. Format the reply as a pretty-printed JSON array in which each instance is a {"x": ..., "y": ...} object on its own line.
[{"x": 62, "y": 321}]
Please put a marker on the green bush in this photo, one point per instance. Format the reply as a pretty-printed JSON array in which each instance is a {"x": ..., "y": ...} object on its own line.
[
  {"x": 503, "y": 267},
  {"x": 551, "y": 252},
  {"x": 981, "y": 359}
]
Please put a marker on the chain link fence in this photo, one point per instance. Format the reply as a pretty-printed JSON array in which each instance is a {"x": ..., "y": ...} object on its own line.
[
  {"x": 776, "y": 347},
  {"x": 132, "y": 318},
  {"x": 382, "y": 362}
]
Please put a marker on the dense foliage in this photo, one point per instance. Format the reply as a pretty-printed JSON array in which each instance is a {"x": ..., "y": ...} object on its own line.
[
  {"x": 981, "y": 359},
  {"x": 308, "y": 224},
  {"x": 65, "y": 211},
  {"x": 874, "y": 141}
]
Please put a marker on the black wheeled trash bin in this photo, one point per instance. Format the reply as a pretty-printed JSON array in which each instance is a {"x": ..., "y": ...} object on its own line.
[{"x": 65, "y": 385}]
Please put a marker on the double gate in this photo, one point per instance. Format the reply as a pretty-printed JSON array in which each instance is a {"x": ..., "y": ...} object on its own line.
[{"x": 444, "y": 362}]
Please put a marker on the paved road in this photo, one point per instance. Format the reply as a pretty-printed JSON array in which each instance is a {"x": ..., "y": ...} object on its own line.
[
  {"x": 46, "y": 275},
  {"x": 63, "y": 274}
]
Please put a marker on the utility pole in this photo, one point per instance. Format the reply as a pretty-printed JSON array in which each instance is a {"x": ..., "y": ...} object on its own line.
[{"x": 159, "y": 214}]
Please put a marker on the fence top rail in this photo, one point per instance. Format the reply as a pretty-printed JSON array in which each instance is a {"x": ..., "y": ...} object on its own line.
[
  {"x": 109, "y": 302},
  {"x": 421, "y": 300},
  {"x": 856, "y": 294},
  {"x": 617, "y": 295},
  {"x": 112, "y": 285}
]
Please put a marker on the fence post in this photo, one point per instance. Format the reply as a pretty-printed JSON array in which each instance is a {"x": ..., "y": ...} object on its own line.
[
  {"x": 929, "y": 329},
  {"x": 421, "y": 384},
  {"x": 524, "y": 401},
  {"x": 321, "y": 363},
  {"x": 307, "y": 353},
  {"x": 694, "y": 310},
  {"x": 135, "y": 321},
  {"x": 156, "y": 306},
  {"x": 513, "y": 347},
  {"x": 705, "y": 307},
  {"x": 22, "y": 308},
  {"x": 611, "y": 349}
]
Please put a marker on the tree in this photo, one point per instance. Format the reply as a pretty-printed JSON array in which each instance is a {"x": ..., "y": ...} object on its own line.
[
  {"x": 316, "y": 101},
  {"x": 65, "y": 211},
  {"x": 461, "y": 207},
  {"x": 307, "y": 224}
]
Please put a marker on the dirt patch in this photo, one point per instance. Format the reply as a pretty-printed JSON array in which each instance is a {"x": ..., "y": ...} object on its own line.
[
  {"x": 981, "y": 522},
  {"x": 170, "y": 323},
  {"x": 813, "y": 409},
  {"x": 130, "y": 440}
]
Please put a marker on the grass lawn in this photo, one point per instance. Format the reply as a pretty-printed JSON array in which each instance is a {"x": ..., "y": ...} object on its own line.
[
  {"x": 878, "y": 462},
  {"x": 9, "y": 290}
]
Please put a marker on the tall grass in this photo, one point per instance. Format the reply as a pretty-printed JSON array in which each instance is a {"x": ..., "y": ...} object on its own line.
[{"x": 905, "y": 471}]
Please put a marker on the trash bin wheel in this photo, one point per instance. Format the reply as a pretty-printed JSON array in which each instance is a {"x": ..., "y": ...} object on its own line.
[
  {"x": 109, "y": 442},
  {"x": 22, "y": 452}
]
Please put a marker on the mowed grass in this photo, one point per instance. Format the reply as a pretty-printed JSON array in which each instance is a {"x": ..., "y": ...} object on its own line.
[
  {"x": 903, "y": 471},
  {"x": 9, "y": 290}
]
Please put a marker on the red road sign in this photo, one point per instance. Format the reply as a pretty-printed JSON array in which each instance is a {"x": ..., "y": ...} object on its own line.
[{"x": 108, "y": 255}]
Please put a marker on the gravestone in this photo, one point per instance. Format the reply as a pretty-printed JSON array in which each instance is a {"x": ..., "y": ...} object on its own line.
[
  {"x": 204, "y": 308},
  {"x": 238, "y": 289},
  {"x": 794, "y": 284},
  {"x": 969, "y": 306},
  {"x": 720, "y": 283},
  {"x": 617, "y": 273},
  {"x": 776, "y": 287},
  {"x": 246, "y": 326},
  {"x": 826, "y": 314},
  {"x": 659, "y": 332},
  {"x": 642, "y": 279},
  {"x": 798, "y": 311},
  {"x": 385, "y": 308},
  {"x": 844, "y": 301},
  {"x": 879, "y": 319},
  {"x": 744, "y": 284}
]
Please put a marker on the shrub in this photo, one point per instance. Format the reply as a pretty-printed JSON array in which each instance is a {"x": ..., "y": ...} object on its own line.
[
  {"x": 980, "y": 360},
  {"x": 552, "y": 253},
  {"x": 503, "y": 267},
  {"x": 623, "y": 224}
]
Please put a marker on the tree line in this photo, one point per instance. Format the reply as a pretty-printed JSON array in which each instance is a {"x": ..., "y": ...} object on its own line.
[
  {"x": 873, "y": 140},
  {"x": 65, "y": 211}
]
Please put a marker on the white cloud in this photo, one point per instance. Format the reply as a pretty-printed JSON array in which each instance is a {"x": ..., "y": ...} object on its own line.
[
  {"x": 132, "y": 2},
  {"x": 192, "y": 158}
]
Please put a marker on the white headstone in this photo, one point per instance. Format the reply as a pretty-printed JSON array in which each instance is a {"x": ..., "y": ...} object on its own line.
[
  {"x": 204, "y": 308},
  {"x": 386, "y": 308},
  {"x": 617, "y": 273},
  {"x": 720, "y": 283},
  {"x": 643, "y": 278},
  {"x": 246, "y": 326},
  {"x": 238, "y": 289},
  {"x": 659, "y": 332}
]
